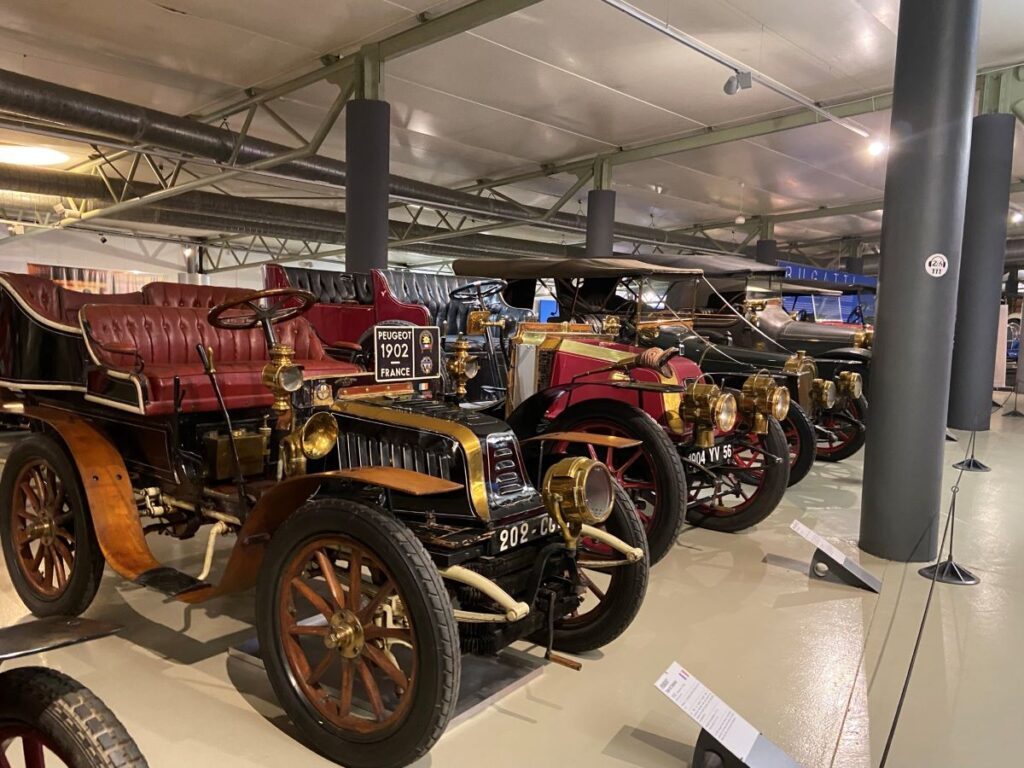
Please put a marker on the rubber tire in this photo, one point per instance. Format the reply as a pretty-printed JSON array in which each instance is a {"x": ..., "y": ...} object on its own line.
[
  {"x": 437, "y": 631},
  {"x": 799, "y": 468},
  {"x": 857, "y": 443},
  {"x": 70, "y": 717},
  {"x": 766, "y": 501},
  {"x": 87, "y": 572},
  {"x": 662, "y": 453},
  {"x": 625, "y": 592}
]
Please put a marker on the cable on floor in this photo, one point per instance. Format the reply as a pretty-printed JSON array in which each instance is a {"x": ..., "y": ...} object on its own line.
[{"x": 924, "y": 616}]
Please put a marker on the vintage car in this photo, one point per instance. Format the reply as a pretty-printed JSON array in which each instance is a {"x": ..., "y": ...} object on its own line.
[
  {"x": 48, "y": 718},
  {"x": 384, "y": 526},
  {"x": 653, "y": 307},
  {"x": 541, "y": 377}
]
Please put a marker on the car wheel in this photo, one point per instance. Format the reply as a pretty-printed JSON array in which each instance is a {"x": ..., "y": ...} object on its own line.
[
  {"x": 846, "y": 434},
  {"x": 358, "y": 635},
  {"x": 49, "y": 543},
  {"x": 47, "y": 718},
  {"x": 651, "y": 472},
  {"x": 802, "y": 443},
  {"x": 614, "y": 592},
  {"x": 747, "y": 489}
]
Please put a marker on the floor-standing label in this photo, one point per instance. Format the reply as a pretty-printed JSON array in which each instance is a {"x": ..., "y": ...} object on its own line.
[
  {"x": 710, "y": 712},
  {"x": 853, "y": 572}
]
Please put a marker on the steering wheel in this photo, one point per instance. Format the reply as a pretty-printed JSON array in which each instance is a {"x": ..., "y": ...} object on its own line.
[
  {"x": 478, "y": 289},
  {"x": 264, "y": 308}
]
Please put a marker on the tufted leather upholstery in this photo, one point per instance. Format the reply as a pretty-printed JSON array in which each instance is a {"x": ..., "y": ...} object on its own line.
[
  {"x": 73, "y": 301},
  {"x": 331, "y": 287},
  {"x": 165, "y": 339},
  {"x": 42, "y": 294},
  {"x": 185, "y": 295}
]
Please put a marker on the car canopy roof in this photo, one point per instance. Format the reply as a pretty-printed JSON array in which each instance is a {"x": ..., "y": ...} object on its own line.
[{"x": 519, "y": 269}]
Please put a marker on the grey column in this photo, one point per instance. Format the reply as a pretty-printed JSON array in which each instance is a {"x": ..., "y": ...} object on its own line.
[
  {"x": 600, "y": 223},
  {"x": 767, "y": 252},
  {"x": 981, "y": 272},
  {"x": 367, "y": 154},
  {"x": 922, "y": 227}
]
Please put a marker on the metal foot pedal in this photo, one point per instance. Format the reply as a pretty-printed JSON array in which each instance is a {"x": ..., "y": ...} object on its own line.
[{"x": 170, "y": 581}]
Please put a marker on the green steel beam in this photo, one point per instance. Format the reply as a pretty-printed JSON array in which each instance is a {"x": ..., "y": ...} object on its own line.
[{"x": 431, "y": 31}]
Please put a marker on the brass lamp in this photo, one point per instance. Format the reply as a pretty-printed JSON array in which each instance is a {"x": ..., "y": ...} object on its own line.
[{"x": 708, "y": 408}]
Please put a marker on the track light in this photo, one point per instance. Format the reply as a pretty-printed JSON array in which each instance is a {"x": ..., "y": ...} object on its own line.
[
  {"x": 1016, "y": 217},
  {"x": 739, "y": 81},
  {"x": 659, "y": 189},
  {"x": 875, "y": 148},
  {"x": 103, "y": 239},
  {"x": 741, "y": 220},
  {"x": 187, "y": 251}
]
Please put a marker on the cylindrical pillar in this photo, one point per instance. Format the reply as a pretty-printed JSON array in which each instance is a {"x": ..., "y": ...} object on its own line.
[
  {"x": 981, "y": 272},
  {"x": 922, "y": 230},
  {"x": 767, "y": 252},
  {"x": 600, "y": 223},
  {"x": 367, "y": 154}
]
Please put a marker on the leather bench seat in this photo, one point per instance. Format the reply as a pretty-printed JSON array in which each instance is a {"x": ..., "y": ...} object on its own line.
[{"x": 162, "y": 340}]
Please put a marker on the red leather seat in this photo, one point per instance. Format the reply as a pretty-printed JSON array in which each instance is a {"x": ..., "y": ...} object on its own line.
[
  {"x": 185, "y": 295},
  {"x": 73, "y": 301},
  {"x": 163, "y": 341}
]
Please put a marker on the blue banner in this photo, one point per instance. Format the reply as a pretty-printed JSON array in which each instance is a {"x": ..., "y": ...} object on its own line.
[{"x": 796, "y": 271}]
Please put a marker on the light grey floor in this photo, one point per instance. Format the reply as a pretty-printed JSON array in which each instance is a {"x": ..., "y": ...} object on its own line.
[{"x": 816, "y": 666}]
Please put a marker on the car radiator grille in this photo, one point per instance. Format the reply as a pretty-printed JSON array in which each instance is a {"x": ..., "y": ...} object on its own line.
[{"x": 356, "y": 450}]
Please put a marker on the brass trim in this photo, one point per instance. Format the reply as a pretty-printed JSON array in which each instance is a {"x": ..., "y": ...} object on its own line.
[
  {"x": 587, "y": 438},
  {"x": 463, "y": 435}
]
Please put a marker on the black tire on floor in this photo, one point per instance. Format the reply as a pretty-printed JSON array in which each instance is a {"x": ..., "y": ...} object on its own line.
[
  {"x": 74, "y": 534},
  {"x": 411, "y": 729},
  {"x": 623, "y": 592},
  {"x": 857, "y": 409},
  {"x": 802, "y": 443},
  {"x": 772, "y": 488},
  {"x": 54, "y": 709},
  {"x": 668, "y": 476}
]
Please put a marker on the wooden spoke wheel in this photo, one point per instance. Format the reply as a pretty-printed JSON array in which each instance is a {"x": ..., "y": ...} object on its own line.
[
  {"x": 357, "y": 633},
  {"x": 347, "y": 635},
  {"x": 52, "y": 555},
  {"x": 651, "y": 473},
  {"x": 744, "y": 489},
  {"x": 48, "y": 719},
  {"x": 844, "y": 435}
]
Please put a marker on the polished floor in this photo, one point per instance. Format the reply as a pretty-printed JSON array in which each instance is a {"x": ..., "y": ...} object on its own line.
[{"x": 816, "y": 666}]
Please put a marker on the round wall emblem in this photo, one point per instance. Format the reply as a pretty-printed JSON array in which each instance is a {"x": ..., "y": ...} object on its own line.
[{"x": 936, "y": 265}]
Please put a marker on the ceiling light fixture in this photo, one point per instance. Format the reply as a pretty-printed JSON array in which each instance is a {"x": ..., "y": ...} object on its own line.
[
  {"x": 741, "y": 220},
  {"x": 876, "y": 147},
  {"x": 1017, "y": 217},
  {"x": 22, "y": 155},
  {"x": 659, "y": 189},
  {"x": 740, "y": 81}
]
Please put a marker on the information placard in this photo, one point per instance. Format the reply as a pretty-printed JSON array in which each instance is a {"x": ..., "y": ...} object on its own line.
[{"x": 852, "y": 572}]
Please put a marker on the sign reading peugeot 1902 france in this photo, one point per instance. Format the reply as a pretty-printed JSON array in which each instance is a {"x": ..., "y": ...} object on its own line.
[{"x": 406, "y": 352}]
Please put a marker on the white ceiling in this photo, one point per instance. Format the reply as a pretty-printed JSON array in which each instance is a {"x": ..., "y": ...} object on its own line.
[{"x": 559, "y": 80}]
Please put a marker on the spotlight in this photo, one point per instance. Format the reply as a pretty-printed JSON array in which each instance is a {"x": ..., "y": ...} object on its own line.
[
  {"x": 103, "y": 239},
  {"x": 187, "y": 251},
  {"x": 739, "y": 81},
  {"x": 741, "y": 220},
  {"x": 875, "y": 148},
  {"x": 659, "y": 189},
  {"x": 1017, "y": 217}
]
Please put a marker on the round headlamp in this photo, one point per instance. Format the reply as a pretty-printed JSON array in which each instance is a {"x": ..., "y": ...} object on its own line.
[
  {"x": 851, "y": 384},
  {"x": 318, "y": 435},
  {"x": 580, "y": 489},
  {"x": 289, "y": 378},
  {"x": 779, "y": 402},
  {"x": 725, "y": 412},
  {"x": 824, "y": 393}
]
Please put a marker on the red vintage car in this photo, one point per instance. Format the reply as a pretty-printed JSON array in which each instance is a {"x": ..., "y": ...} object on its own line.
[{"x": 721, "y": 456}]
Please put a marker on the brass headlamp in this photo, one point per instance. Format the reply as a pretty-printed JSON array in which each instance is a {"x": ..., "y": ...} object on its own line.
[
  {"x": 864, "y": 339},
  {"x": 318, "y": 435},
  {"x": 851, "y": 384},
  {"x": 824, "y": 393},
  {"x": 578, "y": 491},
  {"x": 708, "y": 408},
  {"x": 282, "y": 377},
  {"x": 462, "y": 366},
  {"x": 806, "y": 371},
  {"x": 760, "y": 398}
]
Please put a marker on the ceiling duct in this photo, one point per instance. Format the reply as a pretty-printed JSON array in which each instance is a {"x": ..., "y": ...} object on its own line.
[{"x": 28, "y": 97}]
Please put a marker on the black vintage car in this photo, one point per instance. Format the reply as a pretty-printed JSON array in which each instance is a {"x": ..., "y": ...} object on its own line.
[
  {"x": 653, "y": 308},
  {"x": 386, "y": 529}
]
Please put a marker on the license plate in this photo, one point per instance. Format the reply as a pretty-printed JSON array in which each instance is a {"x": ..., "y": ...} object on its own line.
[
  {"x": 406, "y": 352},
  {"x": 517, "y": 534},
  {"x": 710, "y": 457}
]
